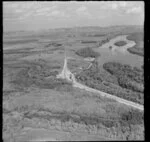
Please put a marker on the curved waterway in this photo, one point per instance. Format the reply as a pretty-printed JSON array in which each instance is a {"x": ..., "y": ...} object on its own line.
[{"x": 119, "y": 53}]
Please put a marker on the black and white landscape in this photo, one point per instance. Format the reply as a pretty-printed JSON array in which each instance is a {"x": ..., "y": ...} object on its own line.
[{"x": 73, "y": 71}]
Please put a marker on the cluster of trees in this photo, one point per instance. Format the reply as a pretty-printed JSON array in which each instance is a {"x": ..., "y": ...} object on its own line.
[
  {"x": 36, "y": 76},
  {"x": 137, "y": 36},
  {"x": 128, "y": 86},
  {"x": 53, "y": 44},
  {"x": 128, "y": 77},
  {"x": 132, "y": 117},
  {"x": 98, "y": 35},
  {"x": 138, "y": 48},
  {"x": 120, "y": 43},
  {"x": 88, "y": 41},
  {"x": 135, "y": 50},
  {"x": 87, "y": 52},
  {"x": 122, "y": 126},
  {"x": 22, "y": 80},
  {"x": 103, "y": 41},
  {"x": 125, "y": 82}
]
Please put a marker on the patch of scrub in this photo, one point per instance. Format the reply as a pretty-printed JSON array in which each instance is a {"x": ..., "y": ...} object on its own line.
[
  {"x": 138, "y": 49},
  {"x": 87, "y": 52},
  {"x": 120, "y": 43},
  {"x": 40, "y": 76},
  {"x": 22, "y": 41}
]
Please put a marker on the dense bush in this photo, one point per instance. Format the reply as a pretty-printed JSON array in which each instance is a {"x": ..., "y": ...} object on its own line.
[
  {"x": 120, "y": 43},
  {"x": 87, "y": 42},
  {"x": 129, "y": 88},
  {"x": 133, "y": 117},
  {"x": 87, "y": 52},
  {"x": 125, "y": 82},
  {"x": 138, "y": 48},
  {"x": 126, "y": 72},
  {"x": 137, "y": 36},
  {"x": 103, "y": 41},
  {"x": 36, "y": 76},
  {"x": 137, "y": 51}
]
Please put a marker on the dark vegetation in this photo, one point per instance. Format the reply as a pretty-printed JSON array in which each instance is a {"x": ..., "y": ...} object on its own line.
[
  {"x": 22, "y": 53},
  {"x": 98, "y": 35},
  {"x": 93, "y": 35},
  {"x": 132, "y": 117},
  {"x": 74, "y": 64},
  {"x": 18, "y": 51},
  {"x": 87, "y": 52},
  {"x": 87, "y": 42},
  {"x": 123, "y": 81},
  {"x": 128, "y": 77},
  {"x": 124, "y": 118},
  {"x": 110, "y": 47},
  {"x": 137, "y": 51},
  {"x": 103, "y": 41},
  {"x": 39, "y": 76},
  {"x": 57, "y": 48},
  {"x": 122, "y": 122},
  {"x": 53, "y": 44},
  {"x": 139, "y": 47},
  {"x": 138, "y": 36},
  {"x": 120, "y": 43},
  {"x": 23, "y": 41}
]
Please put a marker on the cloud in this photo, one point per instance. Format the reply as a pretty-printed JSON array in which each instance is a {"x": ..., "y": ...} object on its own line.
[
  {"x": 15, "y": 11},
  {"x": 10, "y": 5},
  {"x": 58, "y": 14},
  {"x": 21, "y": 10},
  {"x": 27, "y": 5},
  {"x": 25, "y": 15},
  {"x": 108, "y": 5},
  {"x": 83, "y": 11},
  {"x": 45, "y": 9},
  {"x": 42, "y": 11},
  {"x": 122, "y": 8},
  {"x": 134, "y": 10},
  {"x": 18, "y": 11},
  {"x": 102, "y": 16},
  {"x": 115, "y": 5},
  {"x": 123, "y": 4}
]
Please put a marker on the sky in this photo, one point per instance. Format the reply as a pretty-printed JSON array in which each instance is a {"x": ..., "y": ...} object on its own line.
[{"x": 34, "y": 15}]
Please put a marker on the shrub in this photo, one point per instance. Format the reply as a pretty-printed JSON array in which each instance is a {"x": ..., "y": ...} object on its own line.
[
  {"x": 87, "y": 52},
  {"x": 133, "y": 117},
  {"x": 127, "y": 85}
]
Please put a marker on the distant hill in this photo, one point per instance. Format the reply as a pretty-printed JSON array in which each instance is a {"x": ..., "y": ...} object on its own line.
[{"x": 96, "y": 29}]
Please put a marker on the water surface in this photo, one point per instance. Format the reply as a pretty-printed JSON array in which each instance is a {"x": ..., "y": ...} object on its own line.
[{"x": 119, "y": 53}]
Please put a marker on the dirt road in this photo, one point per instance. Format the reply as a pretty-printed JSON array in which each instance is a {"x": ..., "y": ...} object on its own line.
[{"x": 66, "y": 74}]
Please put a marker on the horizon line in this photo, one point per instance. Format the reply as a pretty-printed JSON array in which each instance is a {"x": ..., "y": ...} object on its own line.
[{"x": 70, "y": 28}]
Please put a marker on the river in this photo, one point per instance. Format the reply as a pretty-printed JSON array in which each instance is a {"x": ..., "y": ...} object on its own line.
[{"x": 119, "y": 53}]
